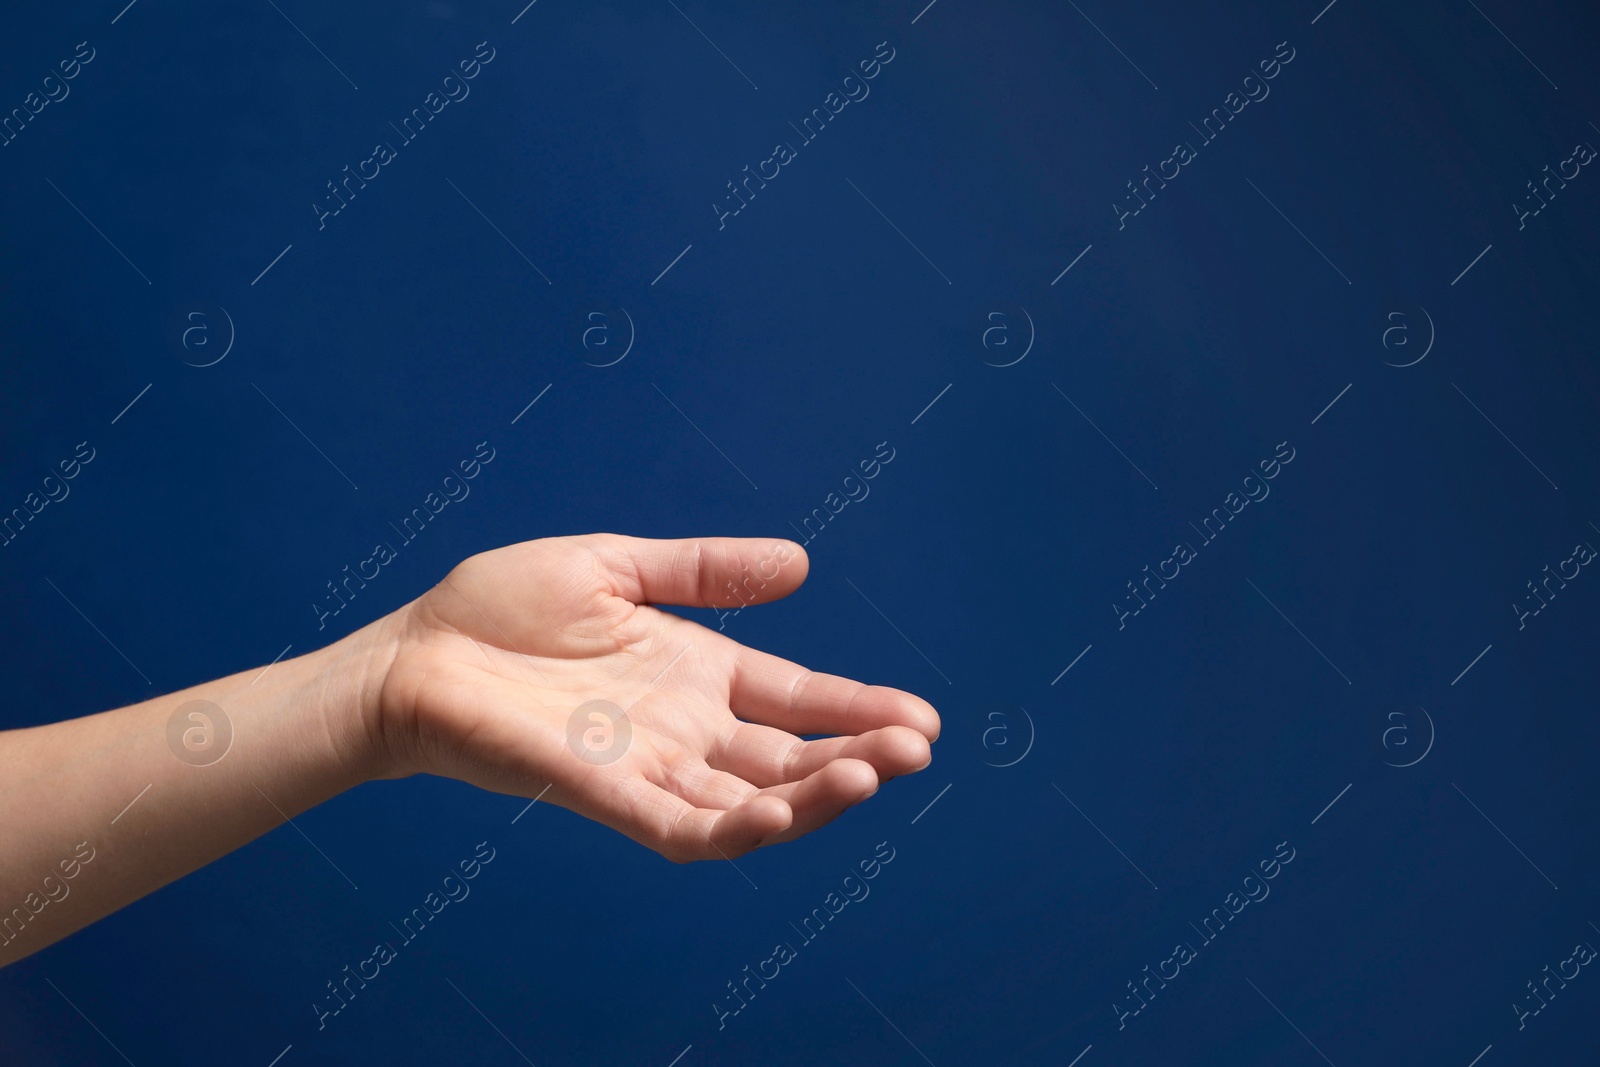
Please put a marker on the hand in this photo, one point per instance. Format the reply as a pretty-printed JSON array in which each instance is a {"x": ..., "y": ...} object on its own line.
[{"x": 490, "y": 665}]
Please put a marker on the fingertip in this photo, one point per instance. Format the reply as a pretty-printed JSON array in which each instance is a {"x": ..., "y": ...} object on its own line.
[
  {"x": 854, "y": 779},
  {"x": 907, "y": 749},
  {"x": 907, "y": 709},
  {"x": 802, "y": 561},
  {"x": 794, "y": 565},
  {"x": 757, "y": 570},
  {"x": 767, "y": 816}
]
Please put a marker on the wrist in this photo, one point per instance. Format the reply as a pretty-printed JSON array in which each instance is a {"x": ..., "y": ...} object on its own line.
[{"x": 345, "y": 684}]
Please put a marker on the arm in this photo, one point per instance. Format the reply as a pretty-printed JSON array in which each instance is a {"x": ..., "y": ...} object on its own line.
[{"x": 538, "y": 670}]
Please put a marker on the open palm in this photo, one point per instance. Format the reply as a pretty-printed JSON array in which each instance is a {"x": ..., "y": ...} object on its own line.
[{"x": 499, "y": 667}]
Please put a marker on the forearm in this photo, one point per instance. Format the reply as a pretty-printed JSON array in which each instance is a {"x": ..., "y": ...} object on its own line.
[{"x": 98, "y": 811}]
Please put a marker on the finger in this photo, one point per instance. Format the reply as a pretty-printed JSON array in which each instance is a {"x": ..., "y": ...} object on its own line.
[
  {"x": 707, "y": 572},
  {"x": 822, "y": 797},
  {"x": 704, "y": 834},
  {"x": 767, "y": 757},
  {"x": 770, "y": 690},
  {"x": 668, "y": 824}
]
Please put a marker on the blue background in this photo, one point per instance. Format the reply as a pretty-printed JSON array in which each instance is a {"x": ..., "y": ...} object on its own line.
[{"x": 1080, "y": 821}]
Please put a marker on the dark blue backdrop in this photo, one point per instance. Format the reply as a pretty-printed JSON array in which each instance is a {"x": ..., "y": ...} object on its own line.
[{"x": 1343, "y": 266}]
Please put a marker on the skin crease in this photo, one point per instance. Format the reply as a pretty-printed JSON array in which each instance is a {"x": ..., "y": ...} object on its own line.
[{"x": 475, "y": 680}]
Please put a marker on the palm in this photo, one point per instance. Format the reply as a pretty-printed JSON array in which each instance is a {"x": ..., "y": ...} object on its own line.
[{"x": 496, "y": 660}]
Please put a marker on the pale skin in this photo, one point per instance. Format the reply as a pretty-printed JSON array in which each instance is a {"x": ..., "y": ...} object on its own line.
[{"x": 478, "y": 680}]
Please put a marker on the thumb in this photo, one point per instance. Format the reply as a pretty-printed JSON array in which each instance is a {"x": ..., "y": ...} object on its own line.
[{"x": 703, "y": 572}]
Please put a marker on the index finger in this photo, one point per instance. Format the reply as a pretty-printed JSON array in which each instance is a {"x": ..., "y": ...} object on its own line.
[{"x": 773, "y": 691}]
